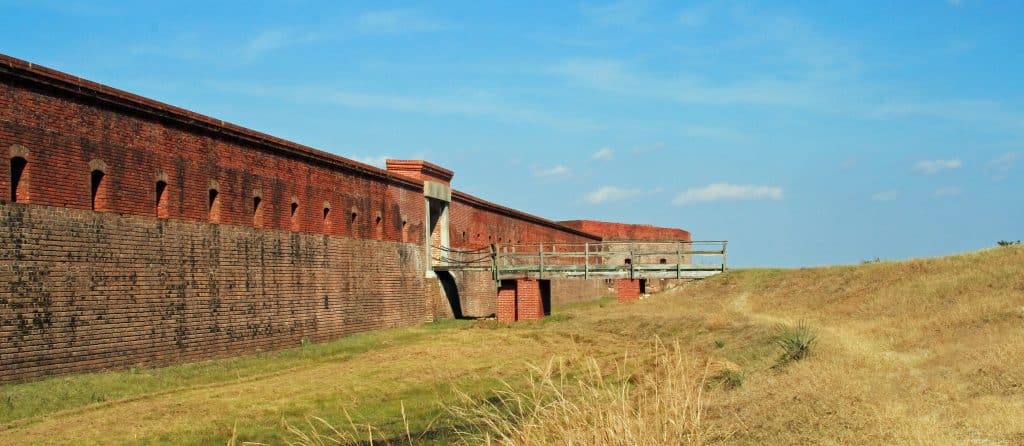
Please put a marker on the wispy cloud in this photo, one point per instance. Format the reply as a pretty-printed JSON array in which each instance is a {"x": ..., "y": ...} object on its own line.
[
  {"x": 728, "y": 192},
  {"x": 986, "y": 112},
  {"x": 551, "y": 172},
  {"x": 373, "y": 160},
  {"x": 484, "y": 105},
  {"x": 932, "y": 167},
  {"x": 946, "y": 192},
  {"x": 397, "y": 21},
  {"x": 1000, "y": 167},
  {"x": 603, "y": 154},
  {"x": 277, "y": 39},
  {"x": 694, "y": 17},
  {"x": 245, "y": 48},
  {"x": 617, "y": 13},
  {"x": 611, "y": 193},
  {"x": 887, "y": 196}
]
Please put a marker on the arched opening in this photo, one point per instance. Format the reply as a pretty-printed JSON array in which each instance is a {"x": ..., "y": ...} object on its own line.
[
  {"x": 451, "y": 293},
  {"x": 327, "y": 217},
  {"x": 213, "y": 205},
  {"x": 257, "y": 211},
  {"x": 19, "y": 177},
  {"x": 98, "y": 197},
  {"x": 629, "y": 261},
  {"x": 295, "y": 215},
  {"x": 161, "y": 199},
  {"x": 663, "y": 261}
]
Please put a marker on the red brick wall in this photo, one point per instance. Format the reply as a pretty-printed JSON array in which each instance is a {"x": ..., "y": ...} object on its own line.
[
  {"x": 530, "y": 300},
  {"x": 156, "y": 281},
  {"x": 63, "y": 136},
  {"x": 628, "y": 290},
  {"x": 622, "y": 231},
  {"x": 507, "y": 301},
  {"x": 89, "y": 291},
  {"x": 476, "y": 224}
]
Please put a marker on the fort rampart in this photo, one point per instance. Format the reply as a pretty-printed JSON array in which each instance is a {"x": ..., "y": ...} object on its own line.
[{"x": 137, "y": 233}]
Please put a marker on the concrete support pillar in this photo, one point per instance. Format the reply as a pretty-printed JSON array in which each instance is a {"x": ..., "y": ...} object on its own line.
[{"x": 629, "y": 290}]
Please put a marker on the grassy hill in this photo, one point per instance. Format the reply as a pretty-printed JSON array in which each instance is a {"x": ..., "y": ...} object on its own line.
[{"x": 924, "y": 351}]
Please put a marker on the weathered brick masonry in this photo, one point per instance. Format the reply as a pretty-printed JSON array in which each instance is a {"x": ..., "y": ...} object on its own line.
[
  {"x": 137, "y": 233},
  {"x": 636, "y": 235},
  {"x": 91, "y": 290}
]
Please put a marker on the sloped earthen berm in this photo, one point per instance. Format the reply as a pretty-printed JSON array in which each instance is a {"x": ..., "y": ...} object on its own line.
[{"x": 136, "y": 233}]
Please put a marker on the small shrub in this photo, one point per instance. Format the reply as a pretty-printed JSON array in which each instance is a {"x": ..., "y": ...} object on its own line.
[
  {"x": 1005, "y": 243},
  {"x": 874, "y": 260},
  {"x": 557, "y": 317},
  {"x": 732, "y": 379},
  {"x": 719, "y": 344},
  {"x": 795, "y": 341},
  {"x": 305, "y": 342}
]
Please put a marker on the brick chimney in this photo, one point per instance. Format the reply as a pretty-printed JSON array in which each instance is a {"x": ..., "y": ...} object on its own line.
[{"x": 421, "y": 170}]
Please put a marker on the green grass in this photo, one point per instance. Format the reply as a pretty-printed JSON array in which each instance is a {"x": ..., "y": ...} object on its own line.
[
  {"x": 68, "y": 392},
  {"x": 918, "y": 352}
]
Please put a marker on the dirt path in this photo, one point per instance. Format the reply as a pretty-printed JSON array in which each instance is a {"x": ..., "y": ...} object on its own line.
[{"x": 846, "y": 337}]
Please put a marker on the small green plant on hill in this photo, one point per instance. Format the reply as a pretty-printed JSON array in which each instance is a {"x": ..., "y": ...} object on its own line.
[
  {"x": 795, "y": 341},
  {"x": 1005, "y": 243},
  {"x": 730, "y": 379}
]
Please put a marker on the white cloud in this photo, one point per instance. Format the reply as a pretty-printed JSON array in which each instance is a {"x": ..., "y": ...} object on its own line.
[
  {"x": 948, "y": 192},
  {"x": 488, "y": 105},
  {"x": 931, "y": 167},
  {"x": 603, "y": 154},
  {"x": 726, "y": 191},
  {"x": 611, "y": 193},
  {"x": 1001, "y": 166},
  {"x": 694, "y": 17},
  {"x": 373, "y": 160},
  {"x": 554, "y": 171},
  {"x": 887, "y": 196},
  {"x": 618, "y": 13},
  {"x": 277, "y": 39},
  {"x": 396, "y": 21}
]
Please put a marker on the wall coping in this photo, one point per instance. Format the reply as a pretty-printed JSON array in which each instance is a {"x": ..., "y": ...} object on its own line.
[
  {"x": 497, "y": 208},
  {"x": 41, "y": 76},
  {"x": 47, "y": 77}
]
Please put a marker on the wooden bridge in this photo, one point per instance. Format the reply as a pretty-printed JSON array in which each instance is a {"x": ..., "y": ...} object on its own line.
[{"x": 645, "y": 259}]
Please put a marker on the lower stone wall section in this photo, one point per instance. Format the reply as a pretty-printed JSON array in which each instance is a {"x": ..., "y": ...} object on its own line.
[
  {"x": 567, "y": 291},
  {"x": 87, "y": 291},
  {"x": 477, "y": 291}
]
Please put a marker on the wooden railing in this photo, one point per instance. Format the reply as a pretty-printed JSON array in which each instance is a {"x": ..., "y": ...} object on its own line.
[{"x": 620, "y": 259}]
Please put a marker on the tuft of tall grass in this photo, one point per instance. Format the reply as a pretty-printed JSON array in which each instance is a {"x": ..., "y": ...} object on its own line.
[
  {"x": 652, "y": 400},
  {"x": 320, "y": 432},
  {"x": 795, "y": 341}
]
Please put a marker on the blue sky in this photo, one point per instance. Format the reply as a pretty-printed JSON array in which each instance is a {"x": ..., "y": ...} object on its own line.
[{"x": 805, "y": 133}]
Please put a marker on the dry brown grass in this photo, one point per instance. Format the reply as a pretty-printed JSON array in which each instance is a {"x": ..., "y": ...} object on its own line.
[
  {"x": 917, "y": 352},
  {"x": 656, "y": 398}
]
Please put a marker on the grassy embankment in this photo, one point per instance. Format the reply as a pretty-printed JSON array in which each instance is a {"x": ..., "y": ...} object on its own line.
[{"x": 924, "y": 351}]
